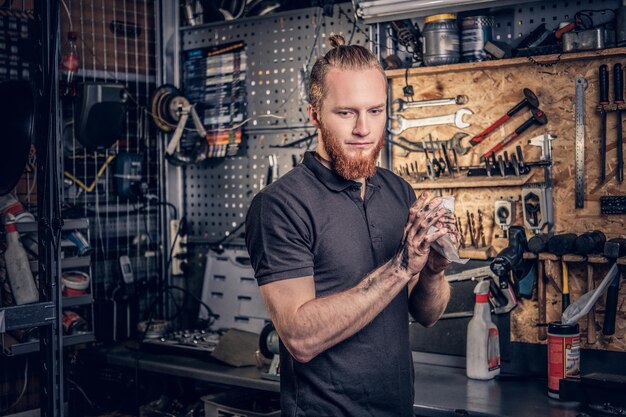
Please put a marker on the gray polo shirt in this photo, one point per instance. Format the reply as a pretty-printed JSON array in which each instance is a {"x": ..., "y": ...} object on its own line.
[{"x": 313, "y": 222}]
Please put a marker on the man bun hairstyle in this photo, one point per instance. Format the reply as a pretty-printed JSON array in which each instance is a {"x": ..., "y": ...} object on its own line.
[{"x": 343, "y": 57}]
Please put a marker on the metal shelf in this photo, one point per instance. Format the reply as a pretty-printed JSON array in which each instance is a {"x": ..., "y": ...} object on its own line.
[
  {"x": 28, "y": 315},
  {"x": 67, "y": 263},
  {"x": 71, "y": 224},
  {"x": 80, "y": 300},
  {"x": 30, "y": 347},
  {"x": 43, "y": 313}
]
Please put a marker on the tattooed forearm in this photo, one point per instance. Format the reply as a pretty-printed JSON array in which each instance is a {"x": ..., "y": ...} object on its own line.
[
  {"x": 404, "y": 260},
  {"x": 368, "y": 283}
]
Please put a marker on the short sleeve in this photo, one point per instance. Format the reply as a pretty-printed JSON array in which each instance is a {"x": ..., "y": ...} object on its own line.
[{"x": 278, "y": 239}]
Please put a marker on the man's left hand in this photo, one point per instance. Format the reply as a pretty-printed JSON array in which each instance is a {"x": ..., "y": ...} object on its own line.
[{"x": 437, "y": 263}]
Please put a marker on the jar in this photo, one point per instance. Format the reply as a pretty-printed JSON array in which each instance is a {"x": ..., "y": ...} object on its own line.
[
  {"x": 475, "y": 33},
  {"x": 563, "y": 354},
  {"x": 74, "y": 283},
  {"x": 441, "y": 40},
  {"x": 73, "y": 323}
]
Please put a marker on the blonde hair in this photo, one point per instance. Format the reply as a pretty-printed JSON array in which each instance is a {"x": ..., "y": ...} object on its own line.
[{"x": 343, "y": 57}]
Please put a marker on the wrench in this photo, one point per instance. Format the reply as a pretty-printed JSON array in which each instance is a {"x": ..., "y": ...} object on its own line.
[
  {"x": 449, "y": 119},
  {"x": 403, "y": 105}
]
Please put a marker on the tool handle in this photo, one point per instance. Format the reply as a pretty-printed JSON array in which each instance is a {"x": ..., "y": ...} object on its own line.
[
  {"x": 541, "y": 301},
  {"x": 447, "y": 159},
  {"x": 591, "y": 316},
  {"x": 482, "y": 135},
  {"x": 603, "y": 76},
  {"x": 611, "y": 306},
  {"x": 618, "y": 83},
  {"x": 493, "y": 150},
  {"x": 565, "y": 286}
]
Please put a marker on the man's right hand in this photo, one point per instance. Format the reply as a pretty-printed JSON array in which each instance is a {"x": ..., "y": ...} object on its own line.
[{"x": 416, "y": 242}]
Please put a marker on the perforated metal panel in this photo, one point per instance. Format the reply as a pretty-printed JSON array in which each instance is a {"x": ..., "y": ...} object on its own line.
[
  {"x": 217, "y": 196},
  {"x": 517, "y": 22},
  {"x": 280, "y": 49}
]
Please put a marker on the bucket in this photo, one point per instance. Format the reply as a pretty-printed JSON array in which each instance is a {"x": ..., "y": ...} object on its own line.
[{"x": 75, "y": 283}]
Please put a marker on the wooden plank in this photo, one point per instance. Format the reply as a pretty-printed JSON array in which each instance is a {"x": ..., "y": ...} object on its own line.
[
  {"x": 477, "y": 253},
  {"x": 570, "y": 257},
  {"x": 597, "y": 259},
  {"x": 547, "y": 256},
  {"x": 511, "y": 62},
  {"x": 470, "y": 182}
]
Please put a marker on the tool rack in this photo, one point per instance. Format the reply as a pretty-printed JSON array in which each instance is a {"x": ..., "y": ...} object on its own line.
[
  {"x": 492, "y": 86},
  {"x": 593, "y": 264}
]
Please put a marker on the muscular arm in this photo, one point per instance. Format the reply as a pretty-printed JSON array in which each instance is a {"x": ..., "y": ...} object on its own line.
[
  {"x": 430, "y": 293},
  {"x": 308, "y": 325},
  {"x": 428, "y": 297}
]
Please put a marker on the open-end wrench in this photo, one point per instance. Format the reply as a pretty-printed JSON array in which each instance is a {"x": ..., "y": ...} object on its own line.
[
  {"x": 448, "y": 119},
  {"x": 530, "y": 99},
  {"x": 403, "y": 105}
]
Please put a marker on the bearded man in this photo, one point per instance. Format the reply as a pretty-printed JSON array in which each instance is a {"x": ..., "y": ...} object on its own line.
[{"x": 341, "y": 252}]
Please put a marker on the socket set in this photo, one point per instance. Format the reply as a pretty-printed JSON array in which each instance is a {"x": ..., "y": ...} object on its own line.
[{"x": 613, "y": 204}]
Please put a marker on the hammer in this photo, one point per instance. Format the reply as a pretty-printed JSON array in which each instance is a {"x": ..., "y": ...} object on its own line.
[
  {"x": 538, "y": 117},
  {"x": 613, "y": 249},
  {"x": 560, "y": 245},
  {"x": 586, "y": 244},
  {"x": 537, "y": 244}
]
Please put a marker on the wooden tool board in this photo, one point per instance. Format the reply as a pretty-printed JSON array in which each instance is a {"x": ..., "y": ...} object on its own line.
[{"x": 494, "y": 87}]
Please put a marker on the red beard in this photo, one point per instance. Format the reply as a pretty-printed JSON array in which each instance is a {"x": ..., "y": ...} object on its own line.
[{"x": 350, "y": 168}]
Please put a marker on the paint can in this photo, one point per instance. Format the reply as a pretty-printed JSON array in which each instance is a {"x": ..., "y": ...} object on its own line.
[
  {"x": 476, "y": 31},
  {"x": 441, "y": 39},
  {"x": 73, "y": 323},
  {"x": 74, "y": 283},
  {"x": 563, "y": 354}
]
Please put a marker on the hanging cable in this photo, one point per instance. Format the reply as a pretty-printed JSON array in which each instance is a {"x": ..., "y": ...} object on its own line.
[{"x": 19, "y": 398}]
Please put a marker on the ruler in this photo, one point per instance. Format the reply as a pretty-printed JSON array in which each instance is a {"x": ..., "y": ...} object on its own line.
[{"x": 581, "y": 86}]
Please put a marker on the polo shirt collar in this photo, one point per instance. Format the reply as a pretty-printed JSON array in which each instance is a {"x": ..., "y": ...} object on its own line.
[{"x": 330, "y": 178}]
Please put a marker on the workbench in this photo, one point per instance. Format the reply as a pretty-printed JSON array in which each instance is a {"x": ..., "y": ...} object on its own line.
[{"x": 440, "y": 390}]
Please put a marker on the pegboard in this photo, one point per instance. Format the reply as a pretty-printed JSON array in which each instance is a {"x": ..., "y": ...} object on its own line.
[
  {"x": 218, "y": 194},
  {"x": 516, "y": 22},
  {"x": 280, "y": 50}
]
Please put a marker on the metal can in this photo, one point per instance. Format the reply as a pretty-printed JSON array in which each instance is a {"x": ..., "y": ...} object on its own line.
[
  {"x": 441, "y": 40},
  {"x": 475, "y": 33},
  {"x": 563, "y": 355},
  {"x": 73, "y": 323}
]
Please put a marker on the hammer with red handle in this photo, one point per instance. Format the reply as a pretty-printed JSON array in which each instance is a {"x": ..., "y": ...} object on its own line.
[
  {"x": 530, "y": 99},
  {"x": 538, "y": 117}
]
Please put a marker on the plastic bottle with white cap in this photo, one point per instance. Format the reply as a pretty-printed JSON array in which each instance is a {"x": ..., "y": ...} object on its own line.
[{"x": 483, "y": 342}]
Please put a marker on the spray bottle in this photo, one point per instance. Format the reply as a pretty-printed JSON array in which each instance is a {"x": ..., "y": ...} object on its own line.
[{"x": 483, "y": 344}]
